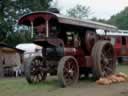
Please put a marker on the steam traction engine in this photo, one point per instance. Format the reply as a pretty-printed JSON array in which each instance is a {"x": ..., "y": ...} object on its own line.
[{"x": 71, "y": 47}]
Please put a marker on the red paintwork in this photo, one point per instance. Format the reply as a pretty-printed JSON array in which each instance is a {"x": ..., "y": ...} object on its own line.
[
  {"x": 84, "y": 61},
  {"x": 80, "y": 57},
  {"x": 32, "y": 16},
  {"x": 117, "y": 46},
  {"x": 68, "y": 51},
  {"x": 89, "y": 61},
  {"x": 77, "y": 53},
  {"x": 120, "y": 50}
]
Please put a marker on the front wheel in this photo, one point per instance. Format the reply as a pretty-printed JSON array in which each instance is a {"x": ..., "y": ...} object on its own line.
[
  {"x": 34, "y": 70},
  {"x": 68, "y": 71}
]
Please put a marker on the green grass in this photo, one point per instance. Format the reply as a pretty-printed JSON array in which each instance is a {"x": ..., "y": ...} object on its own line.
[
  {"x": 122, "y": 68},
  {"x": 20, "y": 87}
]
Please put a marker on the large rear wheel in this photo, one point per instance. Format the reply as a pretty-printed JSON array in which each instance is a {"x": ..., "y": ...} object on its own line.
[
  {"x": 104, "y": 59},
  {"x": 68, "y": 71}
]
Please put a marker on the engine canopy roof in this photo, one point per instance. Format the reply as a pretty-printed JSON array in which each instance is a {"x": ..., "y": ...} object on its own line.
[{"x": 36, "y": 17}]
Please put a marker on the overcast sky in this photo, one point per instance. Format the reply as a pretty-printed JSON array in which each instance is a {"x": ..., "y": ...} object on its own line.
[{"x": 99, "y": 8}]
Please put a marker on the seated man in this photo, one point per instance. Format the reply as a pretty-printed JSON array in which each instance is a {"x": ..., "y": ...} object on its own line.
[{"x": 41, "y": 31}]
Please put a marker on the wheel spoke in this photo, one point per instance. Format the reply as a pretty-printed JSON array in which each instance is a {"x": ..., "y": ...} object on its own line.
[
  {"x": 108, "y": 50},
  {"x": 66, "y": 69},
  {"x": 110, "y": 59},
  {"x": 108, "y": 68},
  {"x": 102, "y": 55},
  {"x": 39, "y": 77},
  {"x": 103, "y": 73},
  {"x": 71, "y": 67},
  {"x": 39, "y": 62},
  {"x": 68, "y": 65},
  {"x": 35, "y": 78},
  {"x": 36, "y": 62},
  {"x": 32, "y": 77}
]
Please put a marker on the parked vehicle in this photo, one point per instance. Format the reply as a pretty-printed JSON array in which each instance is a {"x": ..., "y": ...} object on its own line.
[
  {"x": 30, "y": 49},
  {"x": 71, "y": 47},
  {"x": 119, "y": 39}
]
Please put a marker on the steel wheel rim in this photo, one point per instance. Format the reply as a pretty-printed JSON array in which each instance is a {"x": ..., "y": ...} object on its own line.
[
  {"x": 36, "y": 73},
  {"x": 70, "y": 71},
  {"x": 106, "y": 59}
]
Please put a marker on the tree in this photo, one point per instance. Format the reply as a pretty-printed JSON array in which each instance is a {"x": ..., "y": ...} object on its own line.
[
  {"x": 11, "y": 10},
  {"x": 120, "y": 20},
  {"x": 99, "y": 20},
  {"x": 79, "y": 11}
]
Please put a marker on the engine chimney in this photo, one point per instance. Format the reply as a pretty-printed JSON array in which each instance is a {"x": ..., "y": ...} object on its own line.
[{"x": 54, "y": 10}]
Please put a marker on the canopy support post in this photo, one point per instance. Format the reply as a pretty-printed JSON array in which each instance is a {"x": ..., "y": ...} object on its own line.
[{"x": 32, "y": 26}]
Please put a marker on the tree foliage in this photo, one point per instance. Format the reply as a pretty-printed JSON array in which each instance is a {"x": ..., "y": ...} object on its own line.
[
  {"x": 120, "y": 20},
  {"x": 99, "y": 20},
  {"x": 11, "y": 10},
  {"x": 79, "y": 11}
]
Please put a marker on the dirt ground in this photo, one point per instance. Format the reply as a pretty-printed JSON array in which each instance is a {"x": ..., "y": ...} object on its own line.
[
  {"x": 90, "y": 88},
  {"x": 85, "y": 87}
]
